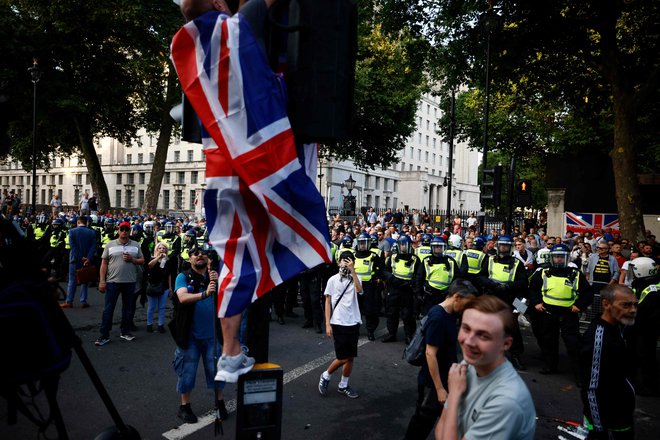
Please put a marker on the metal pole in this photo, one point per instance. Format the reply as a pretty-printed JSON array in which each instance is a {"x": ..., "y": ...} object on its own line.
[
  {"x": 512, "y": 185},
  {"x": 34, "y": 140},
  {"x": 452, "y": 125},
  {"x": 486, "y": 110}
]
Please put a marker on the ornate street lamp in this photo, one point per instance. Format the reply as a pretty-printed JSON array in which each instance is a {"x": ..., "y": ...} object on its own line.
[{"x": 35, "y": 74}]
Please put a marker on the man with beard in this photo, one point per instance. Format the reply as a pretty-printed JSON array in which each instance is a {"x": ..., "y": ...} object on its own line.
[
  {"x": 608, "y": 397},
  {"x": 193, "y": 330}
]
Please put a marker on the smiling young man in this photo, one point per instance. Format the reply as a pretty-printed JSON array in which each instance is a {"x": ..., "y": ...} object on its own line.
[{"x": 487, "y": 399}]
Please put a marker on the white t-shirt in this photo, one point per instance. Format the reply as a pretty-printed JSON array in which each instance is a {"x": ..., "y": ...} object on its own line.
[
  {"x": 471, "y": 221},
  {"x": 347, "y": 312},
  {"x": 626, "y": 280}
]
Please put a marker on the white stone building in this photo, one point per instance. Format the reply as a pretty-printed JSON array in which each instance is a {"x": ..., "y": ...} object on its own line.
[{"x": 415, "y": 182}]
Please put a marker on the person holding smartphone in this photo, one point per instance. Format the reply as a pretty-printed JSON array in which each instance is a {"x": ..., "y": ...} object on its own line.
[{"x": 342, "y": 323}]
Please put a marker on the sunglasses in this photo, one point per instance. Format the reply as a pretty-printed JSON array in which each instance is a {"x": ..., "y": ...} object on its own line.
[
  {"x": 124, "y": 229},
  {"x": 602, "y": 248},
  {"x": 199, "y": 253}
]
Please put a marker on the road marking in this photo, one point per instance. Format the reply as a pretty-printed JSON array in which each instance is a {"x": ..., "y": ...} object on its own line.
[{"x": 186, "y": 429}]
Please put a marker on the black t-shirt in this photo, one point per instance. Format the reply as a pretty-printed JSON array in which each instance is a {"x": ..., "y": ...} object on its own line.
[
  {"x": 442, "y": 332},
  {"x": 602, "y": 273}
]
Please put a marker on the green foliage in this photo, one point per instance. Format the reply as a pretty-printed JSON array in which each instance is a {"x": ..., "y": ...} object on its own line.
[
  {"x": 102, "y": 62},
  {"x": 389, "y": 81}
]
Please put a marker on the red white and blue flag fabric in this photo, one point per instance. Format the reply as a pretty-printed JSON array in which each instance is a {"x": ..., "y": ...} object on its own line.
[
  {"x": 591, "y": 222},
  {"x": 266, "y": 218}
]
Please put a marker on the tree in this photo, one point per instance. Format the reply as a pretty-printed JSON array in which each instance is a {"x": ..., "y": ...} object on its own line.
[
  {"x": 597, "y": 63},
  {"x": 97, "y": 59},
  {"x": 389, "y": 81}
]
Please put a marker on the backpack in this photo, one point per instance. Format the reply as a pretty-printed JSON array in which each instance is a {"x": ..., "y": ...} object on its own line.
[{"x": 415, "y": 352}]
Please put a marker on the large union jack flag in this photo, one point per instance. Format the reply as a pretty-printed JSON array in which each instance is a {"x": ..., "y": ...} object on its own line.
[
  {"x": 587, "y": 221},
  {"x": 266, "y": 218}
]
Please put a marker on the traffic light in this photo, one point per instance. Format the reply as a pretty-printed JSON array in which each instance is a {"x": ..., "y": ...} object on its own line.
[
  {"x": 491, "y": 186},
  {"x": 524, "y": 193},
  {"x": 191, "y": 129},
  {"x": 321, "y": 69}
]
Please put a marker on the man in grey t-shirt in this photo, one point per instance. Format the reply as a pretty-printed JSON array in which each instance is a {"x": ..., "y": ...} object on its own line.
[
  {"x": 117, "y": 277},
  {"x": 487, "y": 399}
]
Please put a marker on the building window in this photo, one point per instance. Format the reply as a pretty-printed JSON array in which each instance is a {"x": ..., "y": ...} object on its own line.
[
  {"x": 118, "y": 198},
  {"x": 43, "y": 180},
  {"x": 166, "y": 199},
  {"x": 86, "y": 179},
  {"x": 119, "y": 180},
  {"x": 410, "y": 167},
  {"x": 427, "y": 140},
  {"x": 130, "y": 178},
  {"x": 166, "y": 177},
  {"x": 142, "y": 178},
  {"x": 141, "y": 198},
  {"x": 395, "y": 185},
  {"x": 426, "y": 156},
  {"x": 194, "y": 176},
  {"x": 140, "y": 157},
  {"x": 129, "y": 159},
  {"x": 434, "y": 142},
  {"x": 151, "y": 157},
  {"x": 191, "y": 205},
  {"x": 60, "y": 178},
  {"x": 419, "y": 138},
  {"x": 419, "y": 154},
  {"x": 43, "y": 196},
  {"x": 427, "y": 124},
  {"x": 181, "y": 177},
  {"x": 177, "y": 156},
  {"x": 412, "y": 152},
  {"x": 190, "y": 155},
  {"x": 377, "y": 185}
]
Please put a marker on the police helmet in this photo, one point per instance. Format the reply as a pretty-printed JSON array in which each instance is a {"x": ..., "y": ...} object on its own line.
[
  {"x": 374, "y": 240},
  {"x": 110, "y": 223},
  {"x": 559, "y": 256},
  {"x": 169, "y": 227},
  {"x": 42, "y": 219},
  {"x": 426, "y": 239},
  {"x": 438, "y": 246},
  {"x": 505, "y": 246},
  {"x": 455, "y": 241},
  {"x": 148, "y": 227},
  {"x": 394, "y": 248},
  {"x": 347, "y": 242},
  {"x": 641, "y": 267},
  {"x": 543, "y": 257},
  {"x": 479, "y": 243},
  {"x": 57, "y": 223},
  {"x": 363, "y": 242},
  {"x": 405, "y": 244}
]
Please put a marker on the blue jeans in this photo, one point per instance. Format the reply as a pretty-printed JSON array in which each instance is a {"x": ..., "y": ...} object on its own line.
[
  {"x": 186, "y": 362},
  {"x": 71, "y": 288},
  {"x": 157, "y": 302},
  {"x": 113, "y": 290}
]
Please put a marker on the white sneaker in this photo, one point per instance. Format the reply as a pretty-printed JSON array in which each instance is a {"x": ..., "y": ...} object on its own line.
[{"x": 230, "y": 367}]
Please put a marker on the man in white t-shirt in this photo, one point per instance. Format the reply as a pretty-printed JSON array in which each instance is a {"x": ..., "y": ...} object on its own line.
[
  {"x": 342, "y": 323},
  {"x": 472, "y": 221},
  {"x": 487, "y": 398}
]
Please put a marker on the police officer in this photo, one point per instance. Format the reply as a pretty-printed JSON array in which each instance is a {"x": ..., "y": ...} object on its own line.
[
  {"x": 57, "y": 241},
  {"x": 189, "y": 242},
  {"x": 109, "y": 231},
  {"x": 455, "y": 251},
  {"x": 424, "y": 250},
  {"x": 345, "y": 245},
  {"x": 38, "y": 233},
  {"x": 559, "y": 293},
  {"x": 477, "y": 260},
  {"x": 646, "y": 285},
  {"x": 171, "y": 239},
  {"x": 368, "y": 268},
  {"x": 507, "y": 279},
  {"x": 434, "y": 275},
  {"x": 399, "y": 273}
]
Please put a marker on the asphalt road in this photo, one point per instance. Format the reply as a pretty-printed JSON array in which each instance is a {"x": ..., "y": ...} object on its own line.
[{"x": 139, "y": 377}]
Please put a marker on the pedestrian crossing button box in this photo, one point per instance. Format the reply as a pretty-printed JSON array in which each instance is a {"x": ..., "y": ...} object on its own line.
[{"x": 259, "y": 403}]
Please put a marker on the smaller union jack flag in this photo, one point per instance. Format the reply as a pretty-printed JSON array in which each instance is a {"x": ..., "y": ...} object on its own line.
[
  {"x": 266, "y": 218},
  {"x": 587, "y": 221}
]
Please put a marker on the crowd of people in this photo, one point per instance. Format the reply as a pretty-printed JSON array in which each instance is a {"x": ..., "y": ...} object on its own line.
[{"x": 380, "y": 268}]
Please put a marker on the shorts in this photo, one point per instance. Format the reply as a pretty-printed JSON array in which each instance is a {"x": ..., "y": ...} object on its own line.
[
  {"x": 346, "y": 340},
  {"x": 186, "y": 361}
]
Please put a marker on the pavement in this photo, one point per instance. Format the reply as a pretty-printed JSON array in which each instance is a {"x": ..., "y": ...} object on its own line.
[{"x": 139, "y": 378}]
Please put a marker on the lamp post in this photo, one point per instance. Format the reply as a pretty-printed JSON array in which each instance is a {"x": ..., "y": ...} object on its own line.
[
  {"x": 35, "y": 75},
  {"x": 452, "y": 125},
  {"x": 350, "y": 199}
]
